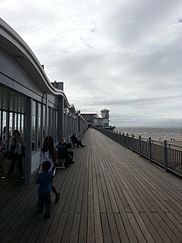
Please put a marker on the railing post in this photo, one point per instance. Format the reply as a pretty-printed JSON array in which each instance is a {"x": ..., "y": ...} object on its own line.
[
  {"x": 132, "y": 142},
  {"x": 150, "y": 149},
  {"x": 165, "y": 155},
  {"x": 127, "y": 140},
  {"x": 140, "y": 145},
  {"x": 120, "y": 137},
  {"x": 123, "y": 139}
]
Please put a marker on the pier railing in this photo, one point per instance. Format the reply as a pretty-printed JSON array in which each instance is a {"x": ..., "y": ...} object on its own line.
[{"x": 168, "y": 156}]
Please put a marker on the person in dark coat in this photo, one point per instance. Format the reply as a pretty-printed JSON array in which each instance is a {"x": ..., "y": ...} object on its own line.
[
  {"x": 76, "y": 141},
  {"x": 17, "y": 152},
  {"x": 64, "y": 153}
]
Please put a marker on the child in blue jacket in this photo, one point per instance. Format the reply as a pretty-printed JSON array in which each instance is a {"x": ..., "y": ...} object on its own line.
[{"x": 45, "y": 187}]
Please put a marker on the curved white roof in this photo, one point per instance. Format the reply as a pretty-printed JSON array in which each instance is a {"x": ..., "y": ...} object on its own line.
[{"x": 14, "y": 44}]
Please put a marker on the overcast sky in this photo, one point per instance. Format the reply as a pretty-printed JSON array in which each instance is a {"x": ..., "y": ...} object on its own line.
[{"x": 121, "y": 55}]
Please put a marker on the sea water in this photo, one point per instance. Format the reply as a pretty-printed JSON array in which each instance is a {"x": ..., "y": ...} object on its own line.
[{"x": 158, "y": 134}]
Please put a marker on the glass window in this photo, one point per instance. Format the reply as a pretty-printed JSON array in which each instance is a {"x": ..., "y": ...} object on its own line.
[
  {"x": 43, "y": 122},
  {"x": 15, "y": 121},
  {"x": 33, "y": 125},
  {"x": 52, "y": 128},
  {"x": 4, "y": 119},
  {"x": 47, "y": 120},
  {"x": 50, "y": 122},
  {"x": 53, "y": 124},
  {"x": 19, "y": 122},
  {"x": 4, "y": 130},
  {"x": 22, "y": 124},
  {"x": 11, "y": 124},
  {"x": 56, "y": 126},
  {"x": 39, "y": 125}
]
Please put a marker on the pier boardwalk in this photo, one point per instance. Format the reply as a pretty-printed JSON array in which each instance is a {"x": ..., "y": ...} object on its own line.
[{"x": 109, "y": 195}]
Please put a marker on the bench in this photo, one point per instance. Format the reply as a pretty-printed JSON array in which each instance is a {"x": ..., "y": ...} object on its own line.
[{"x": 60, "y": 164}]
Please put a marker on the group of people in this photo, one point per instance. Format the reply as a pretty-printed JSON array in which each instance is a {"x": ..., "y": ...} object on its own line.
[
  {"x": 50, "y": 157},
  {"x": 46, "y": 172}
]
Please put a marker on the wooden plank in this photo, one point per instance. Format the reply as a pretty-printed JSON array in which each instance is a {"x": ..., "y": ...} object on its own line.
[
  {"x": 136, "y": 228},
  {"x": 68, "y": 228},
  {"x": 155, "y": 235},
  {"x": 90, "y": 229},
  {"x": 144, "y": 229},
  {"x": 60, "y": 228},
  {"x": 83, "y": 229},
  {"x": 176, "y": 220},
  {"x": 75, "y": 229},
  {"x": 165, "y": 227},
  {"x": 159, "y": 228},
  {"x": 128, "y": 227},
  {"x": 121, "y": 228},
  {"x": 105, "y": 225},
  {"x": 171, "y": 225},
  {"x": 90, "y": 187},
  {"x": 10, "y": 226},
  {"x": 97, "y": 219}
]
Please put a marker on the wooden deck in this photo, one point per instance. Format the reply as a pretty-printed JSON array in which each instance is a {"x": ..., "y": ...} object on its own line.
[{"x": 109, "y": 195}]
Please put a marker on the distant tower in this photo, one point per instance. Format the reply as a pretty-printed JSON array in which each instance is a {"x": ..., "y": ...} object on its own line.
[{"x": 105, "y": 113}]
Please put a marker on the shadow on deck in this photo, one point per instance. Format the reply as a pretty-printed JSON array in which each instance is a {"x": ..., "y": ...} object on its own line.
[{"x": 109, "y": 195}]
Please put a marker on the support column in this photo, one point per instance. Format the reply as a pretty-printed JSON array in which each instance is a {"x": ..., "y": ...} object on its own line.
[
  {"x": 46, "y": 115},
  {"x": 28, "y": 141},
  {"x": 61, "y": 124}
]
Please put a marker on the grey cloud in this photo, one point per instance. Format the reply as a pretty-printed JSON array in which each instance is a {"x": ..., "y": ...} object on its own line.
[
  {"x": 31, "y": 19},
  {"x": 163, "y": 60},
  {"x": 138, "y": 122},
  {"x": 179, "y": 20},
  {"x": 139, "y": 101},
  {"x": 80, "y": 67},
  {"x": 128, "y": 60},
  {"x": 135, "y": 21}
]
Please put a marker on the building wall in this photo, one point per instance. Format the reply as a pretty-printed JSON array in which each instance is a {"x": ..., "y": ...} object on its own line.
[
  {"x": 29, "y": 102},
  {"x": 14, "y": 76}
]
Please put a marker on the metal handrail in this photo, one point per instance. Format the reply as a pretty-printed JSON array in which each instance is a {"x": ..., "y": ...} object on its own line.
[{"x": 167, "y": 155}]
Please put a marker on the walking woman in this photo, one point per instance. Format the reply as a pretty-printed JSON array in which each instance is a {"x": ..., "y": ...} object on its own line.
[
  {"x": 17, "y": 151},
  {"x": 49, "y": 153},
  {"x": 2, "y": 154}
]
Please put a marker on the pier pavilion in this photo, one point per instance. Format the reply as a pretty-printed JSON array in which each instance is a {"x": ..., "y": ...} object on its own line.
[{"x": 29, "y": 102}]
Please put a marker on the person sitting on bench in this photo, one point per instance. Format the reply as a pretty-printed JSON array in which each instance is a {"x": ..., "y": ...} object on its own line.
[
  {"x": 74, "y": 140},
  {"x": 65, "y": 157}
]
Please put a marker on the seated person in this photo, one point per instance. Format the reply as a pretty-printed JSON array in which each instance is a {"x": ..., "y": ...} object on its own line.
[
  {"x": 64, "y": 153},
  {"x": 75, "y": 140}
]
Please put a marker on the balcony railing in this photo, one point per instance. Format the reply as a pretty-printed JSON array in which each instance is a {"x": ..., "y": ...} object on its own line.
[{"x": 168, "y": 156}]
